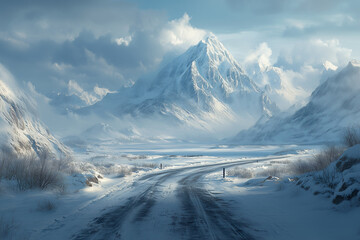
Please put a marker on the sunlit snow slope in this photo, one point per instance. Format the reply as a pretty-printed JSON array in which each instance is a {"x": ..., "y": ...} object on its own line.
[
  {"x": 333, "y": 106},
  {"x": 20, "y": 130}
]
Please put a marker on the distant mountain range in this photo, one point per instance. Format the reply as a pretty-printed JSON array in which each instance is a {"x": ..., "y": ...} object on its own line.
[{"x": 333, "y": 106}]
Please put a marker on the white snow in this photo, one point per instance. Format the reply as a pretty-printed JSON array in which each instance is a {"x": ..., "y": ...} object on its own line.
[{"x": 272, "y": 209}]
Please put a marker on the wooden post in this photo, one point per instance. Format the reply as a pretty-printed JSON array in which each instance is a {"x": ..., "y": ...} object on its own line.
[
  {"x": 160, "y": 165},
  {"x": 223, "y": 172}
]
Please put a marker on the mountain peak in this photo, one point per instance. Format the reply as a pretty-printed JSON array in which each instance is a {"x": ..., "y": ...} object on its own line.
[
  {"x": 213, "y": 43},
  {"x": 210, "y": 38},
  {"x": 211, "y": 53}
]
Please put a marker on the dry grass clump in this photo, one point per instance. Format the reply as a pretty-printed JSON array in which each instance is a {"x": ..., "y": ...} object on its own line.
[
  {"x": 240, "y": 172},
  {"x": 42, "y": 172},
  {"x": 351, "y": 136},
  {"x": 46, "y": 206},
  {"x": 319, "y": 162}
]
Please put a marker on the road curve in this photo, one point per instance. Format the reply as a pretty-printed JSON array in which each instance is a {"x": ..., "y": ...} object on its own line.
[{"x": 200, "y": 214}]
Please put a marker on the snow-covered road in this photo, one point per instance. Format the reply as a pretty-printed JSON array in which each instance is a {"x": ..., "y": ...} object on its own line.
[
  {"x": 170, "y": 204},
  {"x": 188, "y": 199}
]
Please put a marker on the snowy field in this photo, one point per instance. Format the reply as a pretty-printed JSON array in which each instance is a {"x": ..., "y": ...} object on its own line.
[{"x": 187, "y": 199}]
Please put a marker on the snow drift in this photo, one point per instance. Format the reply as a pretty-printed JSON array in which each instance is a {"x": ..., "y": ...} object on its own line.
[{"x": 340, "y": 181}]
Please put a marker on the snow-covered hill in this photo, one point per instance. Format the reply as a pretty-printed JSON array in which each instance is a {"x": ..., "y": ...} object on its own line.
[
  {"x": 333, "y": 106},
  {"x": 20, "y": 130},
  {"x": 340, "y": 181},
  {"x": 204, "y": 88}
]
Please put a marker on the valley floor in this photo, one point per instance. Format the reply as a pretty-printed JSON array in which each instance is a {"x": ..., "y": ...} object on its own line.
[{"x": 187, "y": 199}]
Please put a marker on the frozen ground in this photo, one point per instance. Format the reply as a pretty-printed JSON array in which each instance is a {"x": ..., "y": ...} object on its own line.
[{"x": 188, "y": 199}]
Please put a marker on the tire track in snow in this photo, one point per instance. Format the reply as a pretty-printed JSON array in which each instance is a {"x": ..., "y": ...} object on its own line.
[{"x": 204, "y": 218}]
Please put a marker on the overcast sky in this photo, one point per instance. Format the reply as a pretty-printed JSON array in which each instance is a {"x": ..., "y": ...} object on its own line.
[{"x": 75, "y": 46}]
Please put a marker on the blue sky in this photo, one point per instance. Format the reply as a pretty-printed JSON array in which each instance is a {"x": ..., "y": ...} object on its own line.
[{"x": 74, "y": 46}]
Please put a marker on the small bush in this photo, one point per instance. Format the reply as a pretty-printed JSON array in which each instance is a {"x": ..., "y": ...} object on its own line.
[
  {"x": 116, "y": 169},
  {"x": 327, "y": 177},
  {"x": 240, "y": 172},
  {"x": 319, "y": 162},
  {"x": 272, "y": 171},
  {"x": 31, "y": 172},
  {"x": 351, "y": 136},
  {"x": 301, "y": 166},
  {"x": 325, "y": 157},
  {"x": 147, "y": 165},
  {"x": 46, "y": 206}
]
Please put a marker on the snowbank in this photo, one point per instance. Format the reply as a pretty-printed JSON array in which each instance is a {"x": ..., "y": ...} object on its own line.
[{"x": 340, "y": 181}]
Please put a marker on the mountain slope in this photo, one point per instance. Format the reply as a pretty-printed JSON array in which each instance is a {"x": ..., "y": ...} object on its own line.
[
  {"x": 333, "y": 106},
  {"x": 202, "y": 88},
  {"x": 20, "y": 130}
]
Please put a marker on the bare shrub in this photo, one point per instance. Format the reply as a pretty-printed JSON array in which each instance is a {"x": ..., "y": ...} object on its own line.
[
  {"x": 240, "y": 172},
  {"x": 272, "y": 171},
  {"x": 325, "y": 157},
  {"x": 38, "y": 173},
  {"x": 116, "y": 169},
  {"x": 46, "y": 206},
  {"x": 351, "y": 136},
  {"x": 319, "y": 161},
  {"x": 301, "y": 166},
  {"x": 124, "y": 171},
  {"x": 31, "y": 171},
  {"x": 327, "y": 176},
  {"x": 147, "y": 165}
]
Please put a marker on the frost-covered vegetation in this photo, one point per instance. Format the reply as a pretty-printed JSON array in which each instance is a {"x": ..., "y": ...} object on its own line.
[
  {"x": 351, "y": 136},
  {"x": 29, "y": 172},
  {"x": 46, "y": 172},
  {"x": 332, "y": 172}
]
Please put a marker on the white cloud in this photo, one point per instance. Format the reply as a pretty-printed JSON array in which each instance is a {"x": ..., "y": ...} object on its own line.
[
  {"x": 123, "y": 41},
  {"x": 315, "y": 52},
  {"x": 341, "y": 19},
  {"x": 88, "y": 97},
  {"x": 285, "y": 86},
  {"x": 101, "y": 92},
  {"x": 261, "y": 56},
  {"x": 75, "y": 89},
  {"x": 179, "y": 33}
]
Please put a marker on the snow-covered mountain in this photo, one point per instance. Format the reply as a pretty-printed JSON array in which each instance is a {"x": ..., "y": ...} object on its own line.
[
  {"x": 277, "y": 86},
  {"x": 203, "y": 88},
  {"x": 20, "y": 130},
  {"x": 333, "y": 106}
]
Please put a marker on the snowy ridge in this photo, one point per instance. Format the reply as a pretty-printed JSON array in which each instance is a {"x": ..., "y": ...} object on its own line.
[
  {"x": 21, "y": 131},
  {"x": 333, "y": 106}
]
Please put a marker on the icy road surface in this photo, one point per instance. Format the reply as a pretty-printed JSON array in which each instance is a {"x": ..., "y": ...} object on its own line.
[{"x": 170, "y": 203}]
